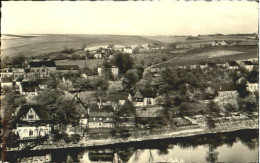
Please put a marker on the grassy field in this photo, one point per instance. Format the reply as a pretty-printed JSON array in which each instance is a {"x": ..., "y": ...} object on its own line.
[
  {"x": 42, "y": 44},
  {"x": 81, "y": 63},
  {"x": 212, "y": 53}
]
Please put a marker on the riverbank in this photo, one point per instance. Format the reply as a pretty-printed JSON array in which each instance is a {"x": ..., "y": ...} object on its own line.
[{"x": 194, "y": 131}]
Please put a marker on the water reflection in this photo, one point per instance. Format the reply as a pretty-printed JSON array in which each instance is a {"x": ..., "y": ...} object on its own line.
[{"x": 240, "y": 146}]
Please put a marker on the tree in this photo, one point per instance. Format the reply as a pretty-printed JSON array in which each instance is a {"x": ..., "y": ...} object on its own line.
[
  {"x": 131, "y": 78},
  {"x": 123, "y": 61}
]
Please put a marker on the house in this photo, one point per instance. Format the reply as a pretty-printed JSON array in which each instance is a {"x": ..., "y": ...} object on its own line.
[
  {"x": 232, "y": 65},
  {"x": 68, "y": 69},
  {"x": 215, "y": 43},
  {"x": 42, "y": 68},
  {"x": 144, "y": 116},
  {"x": 252, "y": 87},
  {"x": 227, "y": 94},
  {"x": 118, "y": 98},
  {"x": 29, "y": 87},
  {"x": 7, "y": 82},
  {"x": 114, "y": 70},
  {"x": 98, "y": 55},
  {"x": 18, "y": 73},
  {"x": 223, "y": 43},
  {"x": 126, "y": 115},
  {"x": 220, "y": 63},
  {"x": 203, "y": 65},
  {"x": 128, "y": 49},
  {"x": 33, "y": 121},
  {"x": 248, "y": 65},
  {"x": 193, "y": 66},
  {"x": 101, "y": 118},
  {"x": 6, "y": 73},
  {"x": 182, "y": 67},
  {"x": 142, "y": 99}
]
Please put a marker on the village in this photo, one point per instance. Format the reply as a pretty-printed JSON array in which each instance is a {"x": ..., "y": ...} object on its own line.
[{"x": 110, "y": 96}]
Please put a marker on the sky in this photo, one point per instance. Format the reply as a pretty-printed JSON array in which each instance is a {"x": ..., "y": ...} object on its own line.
[{"x": 129, "y": 18}]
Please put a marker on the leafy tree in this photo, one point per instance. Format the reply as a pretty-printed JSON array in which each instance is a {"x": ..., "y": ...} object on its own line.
[
  {"x": 123, "y": 61},
  {"x": 131, "y": 78}
]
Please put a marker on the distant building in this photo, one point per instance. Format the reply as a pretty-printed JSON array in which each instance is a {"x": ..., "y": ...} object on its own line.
[
  {"x": 98, "y": 55},
  {"x": 32, "y": 122},
  {"x": 114, "y": 70},
  {"x": 42, "y": 68},
  {"x": 223, "y": 43},
  {"x": 252, "y": 87},
  {"x": 128, "y": 49},
  {"x": 232, "y": 65},
  {"x": 248, "y": 65}
]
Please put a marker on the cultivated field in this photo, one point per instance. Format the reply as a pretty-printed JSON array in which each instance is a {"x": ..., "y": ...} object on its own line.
[
  {"x": 34, "y": 45},
  {"x": 212, "y": 53}
]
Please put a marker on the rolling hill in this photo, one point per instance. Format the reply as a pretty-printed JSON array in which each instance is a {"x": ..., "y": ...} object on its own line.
[{"x": 34, "y": 45}]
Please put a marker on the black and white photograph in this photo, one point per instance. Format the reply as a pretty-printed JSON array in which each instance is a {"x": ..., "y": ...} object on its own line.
[{"x": 129, "y": 82}]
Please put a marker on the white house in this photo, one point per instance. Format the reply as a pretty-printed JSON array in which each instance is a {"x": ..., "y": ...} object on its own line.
[
  {"x": 98, "y": 55},
  {"x": 33, "y": 122},
  {"x": 252, "y": 87},
  {"x": 128, "y": 49}
]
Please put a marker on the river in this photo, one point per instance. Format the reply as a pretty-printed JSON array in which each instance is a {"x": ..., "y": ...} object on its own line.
[{"x": 238, "y": 146}]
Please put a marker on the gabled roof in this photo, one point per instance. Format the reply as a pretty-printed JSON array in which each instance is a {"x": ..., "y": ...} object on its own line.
[
  {"x": 40, "y": 111},
  {"x": 118, "y": 96},
  {"x": 138, "y": 94},
  {"x": 67, "y": 67},
  {"x": 42, "y": 63},
  {"x": 104, "y": 111}
]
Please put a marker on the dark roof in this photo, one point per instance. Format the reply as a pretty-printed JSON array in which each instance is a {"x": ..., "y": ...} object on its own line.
[
  {"x": 104, "y": 111},
  {"x": 29, "y": 86},
  {"x": 42, "y": 63},
  {"x": 67, "y": 67},
  {"x": 232, "y": 63},
  {"x": 225, "y": 87},
  {"x": 40, "y": 111},
  {"x": 248, "y": 63},
  {"x": 118, "y": 96},
  {"x": 104, "y": 157},
  {"x": 138, "y": 94},
  {"x": 6, "y": 80}
]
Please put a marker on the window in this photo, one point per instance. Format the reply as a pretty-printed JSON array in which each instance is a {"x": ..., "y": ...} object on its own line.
[
  {"x": 30, "y": 116},
  {"x": 43, "y": 70},
  {"x": 100, "y": 119},
  {"x": 100, "y": 124},
  {"x": 30, "y": 133}
]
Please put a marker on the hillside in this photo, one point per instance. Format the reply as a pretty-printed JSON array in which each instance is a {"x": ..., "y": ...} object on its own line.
[{"x": 34, "y": 45}]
